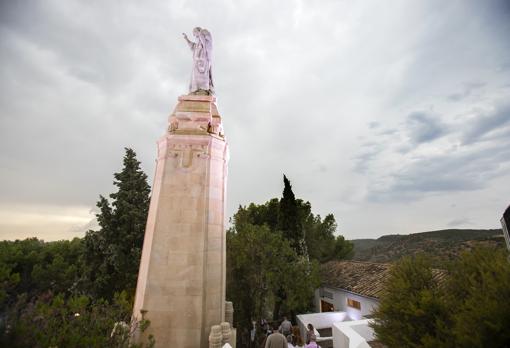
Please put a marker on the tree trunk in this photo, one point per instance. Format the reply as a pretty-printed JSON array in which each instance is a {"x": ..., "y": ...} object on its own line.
[{"x": 280, "y": 297}]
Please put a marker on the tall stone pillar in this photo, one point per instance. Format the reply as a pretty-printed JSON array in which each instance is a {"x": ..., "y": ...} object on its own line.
[{"x": 181, "y": 282}]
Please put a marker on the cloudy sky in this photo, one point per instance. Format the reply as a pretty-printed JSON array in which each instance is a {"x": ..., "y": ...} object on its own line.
[{"x": 392, "y": 115}]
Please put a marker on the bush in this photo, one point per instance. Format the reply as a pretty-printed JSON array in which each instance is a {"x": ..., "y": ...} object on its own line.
[
  {"x": 53, "y": 321},
  {"x": 470, "y": 309},
  {"x": 411, "y": 311}
]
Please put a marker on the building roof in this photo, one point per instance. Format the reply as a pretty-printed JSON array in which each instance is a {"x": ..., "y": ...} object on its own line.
[{"x": 362, "y": 278}]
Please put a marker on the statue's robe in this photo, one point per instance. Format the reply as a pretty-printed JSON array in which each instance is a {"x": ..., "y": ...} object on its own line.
[{"x": 201, "y": 74}]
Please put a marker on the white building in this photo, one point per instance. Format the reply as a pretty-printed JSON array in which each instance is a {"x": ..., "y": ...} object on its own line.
[
  {"x": 353, "y": 287},
  {"x": 348, "y": 295}
]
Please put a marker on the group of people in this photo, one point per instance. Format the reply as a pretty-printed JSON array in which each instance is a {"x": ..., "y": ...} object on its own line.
[{"x": 285, "y": 335}]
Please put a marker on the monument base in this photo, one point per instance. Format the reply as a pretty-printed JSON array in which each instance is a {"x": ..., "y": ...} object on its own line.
[{"x": 181, "y": 282}]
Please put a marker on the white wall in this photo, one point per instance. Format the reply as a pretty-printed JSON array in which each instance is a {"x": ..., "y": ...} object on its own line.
[
  {"x": 339, "y": 301},
  {"x": 352, "y": 334},
  {"x": 319, "y": 320}
]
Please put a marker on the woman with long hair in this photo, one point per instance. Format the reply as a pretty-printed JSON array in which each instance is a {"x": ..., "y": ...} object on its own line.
[
  {"x": 297, "y": 340},
  {"x": 310, "y": 334}
]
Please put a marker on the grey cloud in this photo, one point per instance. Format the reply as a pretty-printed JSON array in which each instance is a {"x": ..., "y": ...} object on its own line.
[
  {"x": 323, "y": 168},
  {"x": 484, "y": 124},
  {"x": 405, "y": 148},
  {"x": 389, "y": 131},
  {"x": 91, "y": 225},
  {"x": 423, "y": 127},
  {"x": 459, "y": 222},
  {"x": 369, "y": 153},
  {"x": 453, "y": 56},
  {"x": 93, "y": 42},
  {"x": 467, "y": 91},
  {"x": 81, "y": 80},
  {"x": 454, "y": 171},
  {"x": 465, "y": 167}
]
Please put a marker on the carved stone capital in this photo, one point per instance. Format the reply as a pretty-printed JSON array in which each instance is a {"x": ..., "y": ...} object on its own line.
[{"x": 196, "y": 114}]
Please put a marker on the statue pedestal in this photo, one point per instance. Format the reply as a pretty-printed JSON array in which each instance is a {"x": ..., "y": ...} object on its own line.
[{"x": 181, "y": 282}]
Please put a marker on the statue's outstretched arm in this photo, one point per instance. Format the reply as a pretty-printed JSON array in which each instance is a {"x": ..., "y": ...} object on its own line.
[{"x": 190, "y": 43}]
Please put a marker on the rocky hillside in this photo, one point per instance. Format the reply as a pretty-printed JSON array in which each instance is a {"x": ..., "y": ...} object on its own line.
[{"x": 440, "y": 245}]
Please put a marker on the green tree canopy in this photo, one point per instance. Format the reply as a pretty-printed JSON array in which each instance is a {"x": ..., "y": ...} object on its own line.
[
  {"x": 53, "y": 293},
  {"x": 33, "y": 267},
  {"x": 322, "y": 244},
  {"x": 112, "y": 254},
  {"x": 469, "y": 309},
  {"x": 270, "y": 272},
  {"x": 259, "y": 263},
  {"x": 317, "y": 234},
  {"x": 478, "y": 296},
  {"x": 411, "y": 312}
]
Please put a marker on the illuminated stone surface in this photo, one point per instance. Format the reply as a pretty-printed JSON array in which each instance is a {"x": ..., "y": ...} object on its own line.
[{"x": 181, "y": 282}]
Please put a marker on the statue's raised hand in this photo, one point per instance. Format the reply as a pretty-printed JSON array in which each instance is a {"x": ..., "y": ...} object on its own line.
[{"x": 201, "y": 76}]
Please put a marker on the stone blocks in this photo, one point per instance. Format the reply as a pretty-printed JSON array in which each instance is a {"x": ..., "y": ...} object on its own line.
[{"x": 181, "y": 283}]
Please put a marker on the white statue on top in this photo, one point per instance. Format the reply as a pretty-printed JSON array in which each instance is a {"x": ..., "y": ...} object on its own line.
[{"x": 201, "y": 74}]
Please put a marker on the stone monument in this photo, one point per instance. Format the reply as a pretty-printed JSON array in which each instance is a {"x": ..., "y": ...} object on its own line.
[
  {"x": 181, "y": 282},
  {"x": 505, "y": 224}
]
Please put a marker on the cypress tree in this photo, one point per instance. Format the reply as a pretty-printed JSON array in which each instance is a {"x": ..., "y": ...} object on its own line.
[
  {"x": 291, "y": 229},
  {"x": 288, "y": 219},
  {"x": 112, "y": 254}
]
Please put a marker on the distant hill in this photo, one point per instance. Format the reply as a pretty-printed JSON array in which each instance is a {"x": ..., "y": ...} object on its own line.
[{"x": 440, "y": 245}]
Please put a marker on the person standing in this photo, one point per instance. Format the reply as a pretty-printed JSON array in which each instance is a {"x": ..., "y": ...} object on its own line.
[
  {"x": 297, "y": 341},
  {"x": 310, "y": 334},
  {"x": 276, "y": 339},
  {"x": 253, "y": 334},
  {"x": 286, "y": 327},
  {"x": 289, "y": 342},
  {"x": 312, "y": 344},
  {"x": 264, "y": 325}
]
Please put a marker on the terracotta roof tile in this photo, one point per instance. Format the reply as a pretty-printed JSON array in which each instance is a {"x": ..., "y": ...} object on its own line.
[{"x": 363, "y": 278}]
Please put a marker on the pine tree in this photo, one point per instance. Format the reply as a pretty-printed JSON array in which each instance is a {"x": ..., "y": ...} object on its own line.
[
  {"x": 112, "y": 254},
  {"x": 411, "y": 311}
]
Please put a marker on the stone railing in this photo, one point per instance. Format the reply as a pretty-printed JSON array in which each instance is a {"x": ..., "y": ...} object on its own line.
[
  {"x": 224, "y": 335},
  {"x": 229, "y": 313},
  {"x": 221, "y": 335}
]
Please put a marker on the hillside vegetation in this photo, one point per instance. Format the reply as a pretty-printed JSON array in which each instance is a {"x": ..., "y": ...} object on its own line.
[
  {"x": 440, "y": 245},
  {"x": 76, "y": 293}
]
